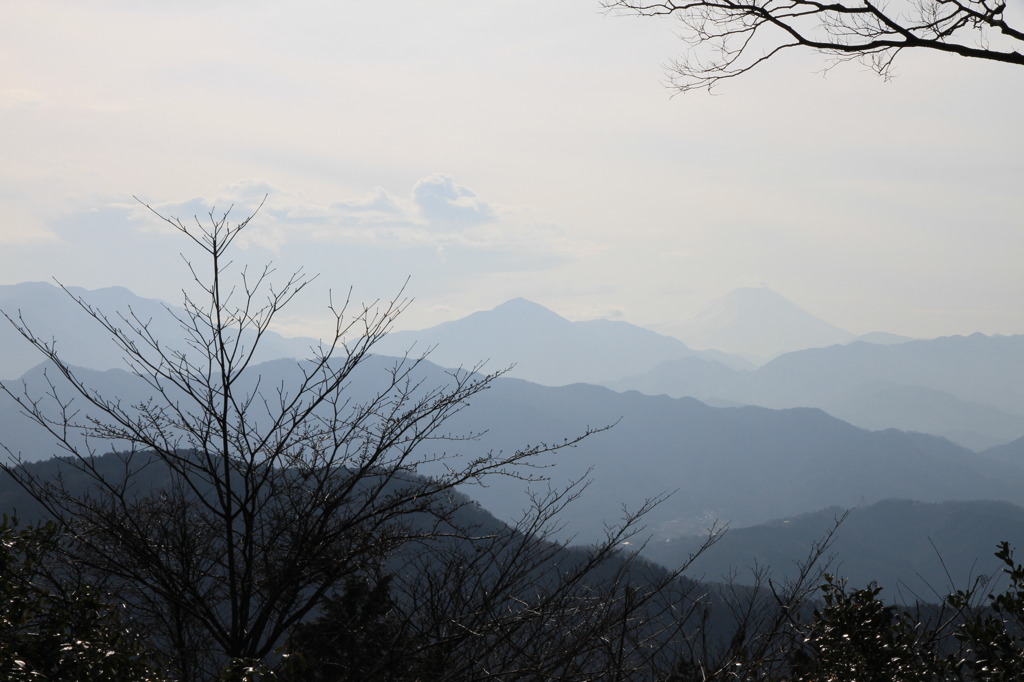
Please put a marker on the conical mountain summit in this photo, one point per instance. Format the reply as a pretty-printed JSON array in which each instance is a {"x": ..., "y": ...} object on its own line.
[{"x": 760, "y": 324}]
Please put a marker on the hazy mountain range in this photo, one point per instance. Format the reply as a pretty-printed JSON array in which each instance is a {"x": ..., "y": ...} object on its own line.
[
  {"x": 543, "y": 347},
  {"x": 969, "y": 389},
  {"x": 743, "y": 465},
  {"x": 760, "y": 324},
  {"x": 52, "y": 314},
  {"x": 719, "y": 460}
]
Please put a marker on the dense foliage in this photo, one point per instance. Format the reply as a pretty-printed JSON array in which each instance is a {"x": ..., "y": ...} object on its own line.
[
  {"x": 53, "y": 627},
  {"x": 972, "y": 636}
]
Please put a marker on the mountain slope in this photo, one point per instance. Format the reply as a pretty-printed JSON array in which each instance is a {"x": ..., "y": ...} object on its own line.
[
  {"x": 980, "y": 368},
  {"x": 744, "y": 465},
  {"x": 914, "y": 546},
  {"x": 1010, "y": 453},
  {"x": 973, "y": 424}
]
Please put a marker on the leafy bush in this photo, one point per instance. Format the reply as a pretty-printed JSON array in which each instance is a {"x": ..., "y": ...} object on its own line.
[{"x": 52, "y": 630}]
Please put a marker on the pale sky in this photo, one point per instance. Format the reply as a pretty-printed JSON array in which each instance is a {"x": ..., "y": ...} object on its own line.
[{"x": 488, "y": 150}]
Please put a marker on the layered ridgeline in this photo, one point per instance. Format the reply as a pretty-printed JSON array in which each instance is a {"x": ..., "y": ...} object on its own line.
[
  {"x": 536, "y": 343},
  {"x": 541, "y": 346},
  {"x": 52, "y": 314},
  {"x": 742, "y": 465},
  {"x": 739, "y": 465},
  {"x": 968, "y": 389}
]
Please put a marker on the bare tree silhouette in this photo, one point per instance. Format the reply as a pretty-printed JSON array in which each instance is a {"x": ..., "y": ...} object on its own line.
[{"x": 728, "y": 38}]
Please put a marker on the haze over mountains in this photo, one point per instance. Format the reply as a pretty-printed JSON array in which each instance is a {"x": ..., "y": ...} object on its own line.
[
  {"x": 541, "y": 346},
  {"x": 52, "y": 314},
  {"x": 736, "y": 457},
  {"x": 759, "y": 323},
  {"x": 744, "y": 329},
  {"x": 544, "y": 346},
  {"x": 967, "y": 389},
  {"x": 744, "y": 465}
]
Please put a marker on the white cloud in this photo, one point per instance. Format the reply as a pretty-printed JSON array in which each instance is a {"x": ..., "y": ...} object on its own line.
[
  {"x": 444, "y": 204},
  {"x": 438, "y": 214}
]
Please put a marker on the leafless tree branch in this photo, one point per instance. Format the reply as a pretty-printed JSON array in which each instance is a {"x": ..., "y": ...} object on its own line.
[{"x": 727, "y": 38}]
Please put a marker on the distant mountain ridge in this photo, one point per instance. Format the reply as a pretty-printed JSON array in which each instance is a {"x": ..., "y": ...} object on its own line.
[
  {"x": 544, "y": 347},
  {"x": 52, "y": 314},
  {"x": 758, "y": 323},
  {"x": 537, "y": 343},
  {"x": 967, "y": 388},
  {"x": 732, "y": 464}
]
